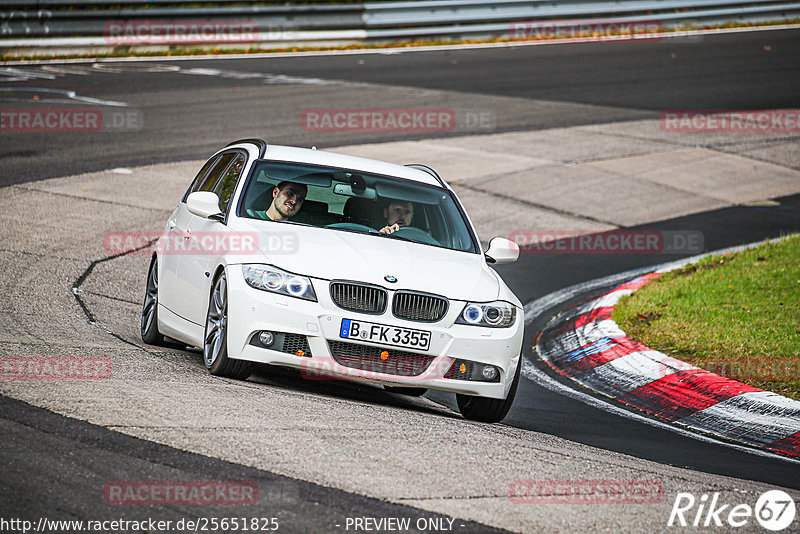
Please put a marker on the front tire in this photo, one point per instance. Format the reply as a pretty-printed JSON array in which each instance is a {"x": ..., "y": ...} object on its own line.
[
  {"x": 215, "y": 338},
  {"x": 488, "y": 410},
  {"x": 149, "y": 324}
]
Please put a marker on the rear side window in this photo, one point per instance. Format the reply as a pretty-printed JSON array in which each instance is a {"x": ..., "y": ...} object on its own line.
[
  {"x": 226, "y": 184},
  {"x": 214, "y": 174},
  {"x": 200, "y": 177}
]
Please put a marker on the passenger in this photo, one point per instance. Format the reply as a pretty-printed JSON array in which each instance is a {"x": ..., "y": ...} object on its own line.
[
  {"x": 287, "y": 199},
  {"x": 398, "y": 213}
]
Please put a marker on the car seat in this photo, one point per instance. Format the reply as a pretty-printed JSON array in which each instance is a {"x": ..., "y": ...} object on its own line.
[{"x": 365, "y": 211}]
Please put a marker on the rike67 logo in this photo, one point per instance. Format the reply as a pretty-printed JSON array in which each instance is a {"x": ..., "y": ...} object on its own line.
[{"x": 774, "y": 510}]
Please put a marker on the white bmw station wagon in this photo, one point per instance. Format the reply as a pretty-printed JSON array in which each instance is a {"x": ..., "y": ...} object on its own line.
[{"x": 340, "y": 266}]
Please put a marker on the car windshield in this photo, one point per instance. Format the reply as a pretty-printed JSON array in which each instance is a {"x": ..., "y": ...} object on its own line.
[{"x": 356, "y": 201}]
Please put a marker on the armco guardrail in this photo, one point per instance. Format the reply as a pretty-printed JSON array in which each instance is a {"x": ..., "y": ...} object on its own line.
[
  {"x": 84, "y": 22},
  {"x": 517, "y": 19},
  {"x": 430, "y": 13},
  {"x": 108, "y": 25}
]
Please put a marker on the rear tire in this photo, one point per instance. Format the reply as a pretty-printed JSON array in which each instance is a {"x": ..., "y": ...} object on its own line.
[
  {"x": 401, "y": 390},
  {"x": 215, "y": 337},
  {"x": 149, "y": 323},
  {"x": 488, "y": 410}
]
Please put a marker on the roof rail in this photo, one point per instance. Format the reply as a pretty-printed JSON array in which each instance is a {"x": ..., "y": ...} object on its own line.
[
  {"x": 428, "y": 170},
  {"x": 260, "y": 143}
]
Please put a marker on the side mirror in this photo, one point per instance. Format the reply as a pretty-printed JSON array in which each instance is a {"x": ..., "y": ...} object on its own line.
[
  {"x": 502, "y": 250},
  {"x": 204, "y": 204}
]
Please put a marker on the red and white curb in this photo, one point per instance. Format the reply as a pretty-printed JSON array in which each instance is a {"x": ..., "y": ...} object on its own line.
[{"x": 587, "y": 346}]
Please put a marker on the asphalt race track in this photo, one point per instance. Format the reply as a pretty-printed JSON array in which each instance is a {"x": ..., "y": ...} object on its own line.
[
  {"x": 183, "y": 110},
  {"x": 190, "y": 106}
]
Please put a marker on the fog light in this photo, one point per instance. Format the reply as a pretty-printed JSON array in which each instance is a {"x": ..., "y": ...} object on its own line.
[
  {"x": 489, "y": 373},
  {"x": 266, "y": 338}
]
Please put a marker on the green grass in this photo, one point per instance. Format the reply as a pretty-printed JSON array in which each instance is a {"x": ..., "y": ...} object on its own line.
[{"x": 737, "y": 315}]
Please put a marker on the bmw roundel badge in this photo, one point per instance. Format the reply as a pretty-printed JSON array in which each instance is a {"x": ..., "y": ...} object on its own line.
[{"x": 389, "y": 278}]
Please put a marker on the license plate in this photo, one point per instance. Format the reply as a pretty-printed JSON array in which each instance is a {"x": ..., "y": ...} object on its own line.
[{"x": 385, "y": 334}]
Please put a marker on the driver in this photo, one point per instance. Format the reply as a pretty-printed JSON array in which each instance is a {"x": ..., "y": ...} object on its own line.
[
  {"x": 287, "y": 199},
  {"x": 398, "y": 213}
]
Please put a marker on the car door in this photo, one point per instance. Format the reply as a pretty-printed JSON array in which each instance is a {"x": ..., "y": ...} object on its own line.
[
  {"x": 173, "y": 286},
  {"x": 195, "y": 267},
  {"x": 173, "y": 237}
]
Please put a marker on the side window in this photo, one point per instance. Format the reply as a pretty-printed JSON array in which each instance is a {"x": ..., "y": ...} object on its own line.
[
  {"x": 225, "y": 186},
  {"x": 213, "y": 176},
  {"x": 200, "y": 176}
]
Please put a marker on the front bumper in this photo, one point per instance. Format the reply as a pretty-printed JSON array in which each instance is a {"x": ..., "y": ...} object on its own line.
[{"x": 251, "y": 311}]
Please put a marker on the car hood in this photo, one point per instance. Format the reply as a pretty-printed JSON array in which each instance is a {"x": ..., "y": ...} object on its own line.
[{"x": 335, "y": 254}]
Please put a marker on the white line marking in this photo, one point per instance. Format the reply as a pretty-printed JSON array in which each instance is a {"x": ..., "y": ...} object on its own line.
[
  {"x": 24, "y": 75},
  {"x": 71, "y": 96},
  {"x": 611, "y": 299},
  {"x": 270, "y": 79},
  {"x": 66, "y": 70},
  {"x": 103, "y": 66}
]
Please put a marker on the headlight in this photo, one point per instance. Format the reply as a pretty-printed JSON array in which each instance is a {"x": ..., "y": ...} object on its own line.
[
  {"x": 496, "y": 314},
  {"x": 268, "y": 278}
]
